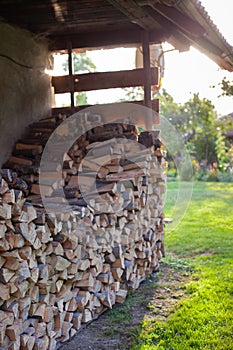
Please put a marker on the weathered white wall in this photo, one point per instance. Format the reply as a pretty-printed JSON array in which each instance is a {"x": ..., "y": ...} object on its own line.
[{"x": 24, "y": 93}]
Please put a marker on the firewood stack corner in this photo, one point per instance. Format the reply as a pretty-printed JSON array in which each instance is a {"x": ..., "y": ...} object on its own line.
[{"x": 107, "y": 234}]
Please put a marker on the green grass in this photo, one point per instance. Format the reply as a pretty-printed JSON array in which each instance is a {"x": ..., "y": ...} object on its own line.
[
  {"x": 121, "y": 314},
  {"x": 203, "y": 240}
]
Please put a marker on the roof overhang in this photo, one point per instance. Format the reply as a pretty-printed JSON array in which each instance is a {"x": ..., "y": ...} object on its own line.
[{"x": 104, "y": 23}]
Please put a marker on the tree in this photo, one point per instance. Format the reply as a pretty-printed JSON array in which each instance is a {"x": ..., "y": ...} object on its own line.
[
  {"x": 171, "y": 110},
  {"x": 81, "y": 64},
  {"x": 195, "y": 120},
  {"x": 225, "y": 124},
  {"x": 224, "y": 147},
  {"x": 227, "y": 87},
  {"x": 201, "y": 120}
]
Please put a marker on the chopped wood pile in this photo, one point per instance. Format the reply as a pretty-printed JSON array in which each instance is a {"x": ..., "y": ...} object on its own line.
[{"x": 57, "y": 274}]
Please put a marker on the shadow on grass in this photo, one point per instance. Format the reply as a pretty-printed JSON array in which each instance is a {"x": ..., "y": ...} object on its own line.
[{"x": 156, "y": 298}]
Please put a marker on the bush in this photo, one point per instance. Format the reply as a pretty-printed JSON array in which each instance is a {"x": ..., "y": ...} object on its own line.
[
  {"x": 226, "y": 176},
  {"x": 186, "y": 172},
  {"x": 212, "y": 175},
  {"x": 171, "y": 173},
  {"x": 215, "y": 175}
]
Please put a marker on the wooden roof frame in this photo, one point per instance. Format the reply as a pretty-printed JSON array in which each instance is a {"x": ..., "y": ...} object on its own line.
[
  {"x": 83, "y": 24},
  {"x": 104, "y": 23}
]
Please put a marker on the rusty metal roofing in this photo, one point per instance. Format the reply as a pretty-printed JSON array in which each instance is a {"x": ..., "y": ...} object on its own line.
[
  {"x": 214, "y": 35},
  {"x": 210, "y": 22}
]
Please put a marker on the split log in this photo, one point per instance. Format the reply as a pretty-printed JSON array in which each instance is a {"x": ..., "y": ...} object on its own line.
[{"x": 56, "y": 275}]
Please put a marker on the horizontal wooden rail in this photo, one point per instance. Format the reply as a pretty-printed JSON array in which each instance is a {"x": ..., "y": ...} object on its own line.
[
  {"x": 105, "y": 80},
  {"x": 106, "y": 39}
]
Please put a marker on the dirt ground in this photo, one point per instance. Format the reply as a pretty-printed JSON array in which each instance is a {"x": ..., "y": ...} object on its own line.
[{"x": 115, "y": 329}]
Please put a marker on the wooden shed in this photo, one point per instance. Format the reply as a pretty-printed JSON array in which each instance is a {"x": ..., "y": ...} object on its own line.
[
  {"x": 69, "y": 25},
  {"x": 61, "y": 269}
]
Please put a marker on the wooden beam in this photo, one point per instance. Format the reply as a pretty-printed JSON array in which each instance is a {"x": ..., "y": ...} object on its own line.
[
  {"x": 185, "y": 23},
  {"x": 105, "y": 39},
  {"x": 174, "y": 36},
  {"x": 105, "y": 80},
  {"x": 59, "y": 10},
  {"x": 213, "y": 52},
  {"x": 147, "y": 79},
  {"x": 135, "y": 13},
  {"x": 146, "y": 68},
  {"x": 71, "y": 81}
]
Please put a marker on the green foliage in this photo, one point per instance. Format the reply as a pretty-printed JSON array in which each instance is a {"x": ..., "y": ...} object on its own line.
[
  {"x": 226, "y": 176},
  {"x": 195, "y": 120},
  {"x": 203, "y": 134},
  {"x": 212, "y": 175},
  {"x": 185, "y": 173},
  {"x": 177, "y": 263},
  {"x": 133, "y": 94},
  {"x": 225, "y": 123},
  {"x": 221, "y": 149},
  {"x": 81, "y": 64},
  {"x": 171, "y": 173},
  {"x": 224, "y": 148},
  {"x": 201, "y": 117},
  {"x": 171, "y": 110},
  {"x": 81, "y": 99},
  {"x": 215, "y": 175},
  {"x": 204, "y": 319},
  {"x": 230, "y": 157},
  {"x": 121, "y": 313},
  {"x": 227, "y": 87}
]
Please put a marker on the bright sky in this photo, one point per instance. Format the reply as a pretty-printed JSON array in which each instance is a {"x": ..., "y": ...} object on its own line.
[
  {"x": 185, "y": 73},
  {"x": 190, "y": 72}
]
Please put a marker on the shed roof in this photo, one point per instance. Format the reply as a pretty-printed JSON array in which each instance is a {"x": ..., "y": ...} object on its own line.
[{"x": 99, "y": 23}]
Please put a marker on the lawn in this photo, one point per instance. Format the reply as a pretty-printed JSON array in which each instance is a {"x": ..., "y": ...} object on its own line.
[{"x": 203, "y": 239}]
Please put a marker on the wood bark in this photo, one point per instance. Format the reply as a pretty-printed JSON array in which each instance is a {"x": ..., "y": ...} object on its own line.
[{"x": 56, "y": 275}]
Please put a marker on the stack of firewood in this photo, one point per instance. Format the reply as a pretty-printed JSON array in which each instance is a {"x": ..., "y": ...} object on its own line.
[{"x": 106, "y": 235}]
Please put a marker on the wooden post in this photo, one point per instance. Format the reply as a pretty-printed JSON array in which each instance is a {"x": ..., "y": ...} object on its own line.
[
  {"x": 70, "y": 65},
  {"x": 147, "y": 74}
]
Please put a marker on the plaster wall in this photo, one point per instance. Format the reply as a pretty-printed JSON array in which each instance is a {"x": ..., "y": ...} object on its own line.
[{"x": 24, "y": 92}]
